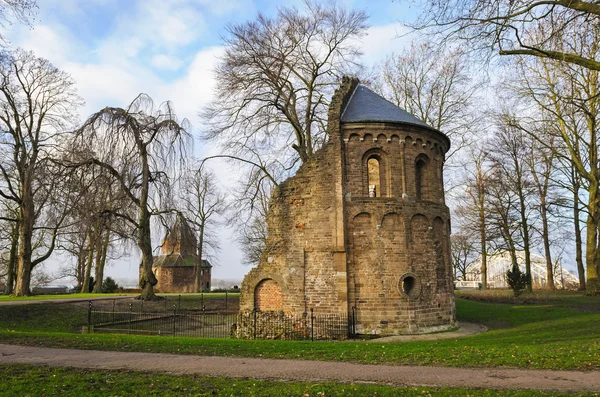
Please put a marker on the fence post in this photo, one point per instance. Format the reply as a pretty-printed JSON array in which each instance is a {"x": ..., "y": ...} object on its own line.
[
  {"x": 174, "y": 314},
  {"x": 312, "y": 333},
  {"x": 254, "y": 331},
  {"x": 225, "y": 300},
  {"x": 353, "y": 329},
  {"x": 130, "y": 316},
  {"x": 179, "y": 304},
  {"x": 113, "y": 312},
  {"x": 89, "y": 317},
  {"x": 202, "y": 299}
]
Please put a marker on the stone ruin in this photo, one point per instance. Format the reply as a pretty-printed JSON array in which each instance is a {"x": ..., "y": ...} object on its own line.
[{"x": 362, "y": 227}]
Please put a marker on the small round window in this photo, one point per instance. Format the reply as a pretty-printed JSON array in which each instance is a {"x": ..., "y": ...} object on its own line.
[{"x": 409, "y": 286}]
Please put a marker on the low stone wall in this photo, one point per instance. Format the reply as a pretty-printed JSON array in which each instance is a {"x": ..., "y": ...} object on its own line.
[{"x": 277, "y": 325}]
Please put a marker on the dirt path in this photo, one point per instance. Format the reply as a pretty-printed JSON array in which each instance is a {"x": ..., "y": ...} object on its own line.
[{"x": 303, "y": 370}]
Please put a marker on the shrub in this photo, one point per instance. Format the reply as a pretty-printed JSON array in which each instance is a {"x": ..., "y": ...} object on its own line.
[
  {"x": 109, "y": 286},
  {"x": 516, "y": 279}
]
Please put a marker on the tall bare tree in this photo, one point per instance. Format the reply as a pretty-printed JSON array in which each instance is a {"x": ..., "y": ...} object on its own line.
[
  {"x": 505, "y": 26},
  {"x": 141, "y": 148},
  {"x": 37, "y": 103},
  {"x": 474, "y": 210},
  {"x": 277, "y": 74},
  {"x": 203, "y": 205},
  {"x": 510, "y": 148},
  {"x": 567, "y": 94},
  {"x": 437, "y": 86}
]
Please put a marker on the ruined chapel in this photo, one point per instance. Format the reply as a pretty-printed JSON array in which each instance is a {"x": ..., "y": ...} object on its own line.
[
  {"x": 176, "y": 266},
  {"x": 362, "y": 227}
]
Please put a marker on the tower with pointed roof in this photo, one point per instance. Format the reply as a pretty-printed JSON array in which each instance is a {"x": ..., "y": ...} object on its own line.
[
  {"x": 362, "y": 228},
  {"x": 176, "y": 266}
]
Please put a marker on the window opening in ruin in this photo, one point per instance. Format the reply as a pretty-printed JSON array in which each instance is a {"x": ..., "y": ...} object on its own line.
[
  {"x": 419, "y": 171},
  {"x": 409, "y": 286},
  {"x": 374, "y": 177}
]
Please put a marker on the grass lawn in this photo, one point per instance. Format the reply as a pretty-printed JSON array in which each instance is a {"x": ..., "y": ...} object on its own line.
[
  {"x": 5, "y": 298},
  {"x": 21, "y": 380},
  {"x": 551, "y": 331}
]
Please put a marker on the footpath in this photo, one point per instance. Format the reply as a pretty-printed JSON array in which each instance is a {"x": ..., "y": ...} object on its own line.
[{"x": 304, "y": 370}]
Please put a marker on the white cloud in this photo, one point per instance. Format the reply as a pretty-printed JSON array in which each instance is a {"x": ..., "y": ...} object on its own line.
[
  {"x": 382, "y": 40},
  {"x": 166, "y": 62}
]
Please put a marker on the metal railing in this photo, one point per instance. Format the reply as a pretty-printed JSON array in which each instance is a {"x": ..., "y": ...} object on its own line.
[{"x": 176, "y": 321}]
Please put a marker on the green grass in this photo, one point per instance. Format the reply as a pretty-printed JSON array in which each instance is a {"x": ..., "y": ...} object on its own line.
[
  {"x": 5, "y": 298},
  {"x": 558, "y": 331},
  {"x": 21, "y": 380}
]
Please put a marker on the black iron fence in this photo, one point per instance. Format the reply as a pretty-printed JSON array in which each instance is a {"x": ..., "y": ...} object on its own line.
[{"x": 220, "y": 324}]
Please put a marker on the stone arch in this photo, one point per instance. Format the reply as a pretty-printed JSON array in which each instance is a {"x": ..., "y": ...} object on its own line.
[
  {"x": 381, "y": 138},
  {"x": 368, "y": 137},
  {"x": 442, "y": 248},
  {"x": 419, "y": 225},
  {"x": 353, "y": 137},
  {"x": 376, "y": 178},
  {"x": 268, "y": 295},
  {"x": 424, "y": 178}
]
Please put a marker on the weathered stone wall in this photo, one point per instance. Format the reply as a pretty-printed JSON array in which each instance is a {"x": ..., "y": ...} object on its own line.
[
  {"x": 333, "y": 248},
  {"x": 391, "y": 238},
  {"x": 180, "y": 279}
]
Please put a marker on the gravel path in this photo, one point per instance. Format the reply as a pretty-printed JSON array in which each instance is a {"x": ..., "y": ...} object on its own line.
[{"x": 303, "y": 370}]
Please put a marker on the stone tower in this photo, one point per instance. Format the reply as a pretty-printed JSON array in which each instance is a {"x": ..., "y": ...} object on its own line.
[
  {"x": 362, "y": 225},
  {"x": 176, "y": 266}
]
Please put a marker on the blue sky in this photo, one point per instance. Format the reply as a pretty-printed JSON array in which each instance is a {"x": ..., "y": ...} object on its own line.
[{"x": 115, "y": 49}]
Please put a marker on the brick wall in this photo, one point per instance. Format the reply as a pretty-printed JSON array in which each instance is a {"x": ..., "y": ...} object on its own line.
[{"x": 268, "y": 296}]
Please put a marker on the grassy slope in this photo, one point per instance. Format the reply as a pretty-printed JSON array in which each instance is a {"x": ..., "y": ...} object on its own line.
[
  {"x": 19, "y": 380},
  {"x": 557, "y": 332}
]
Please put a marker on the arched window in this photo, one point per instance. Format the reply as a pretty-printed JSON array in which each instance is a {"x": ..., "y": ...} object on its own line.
[
  {"x": 374, "y": 177},
  {"x": 423, "y": 178}
]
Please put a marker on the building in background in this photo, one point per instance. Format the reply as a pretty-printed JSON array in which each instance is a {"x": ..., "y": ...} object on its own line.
[{"x": 176, "y": 267}]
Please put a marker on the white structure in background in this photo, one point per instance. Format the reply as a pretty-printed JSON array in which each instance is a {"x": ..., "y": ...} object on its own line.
[{"x": 498, "y": 264}]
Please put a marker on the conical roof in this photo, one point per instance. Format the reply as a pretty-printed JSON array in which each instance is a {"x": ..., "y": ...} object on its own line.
[{"x": 367, "y": 106}]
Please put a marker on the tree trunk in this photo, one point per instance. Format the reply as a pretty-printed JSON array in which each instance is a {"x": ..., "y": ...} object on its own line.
[
  {"x": 101, "y": 261},
  {"x": 147, "y": 278},
  {"x": 24, "y": 266},
  {"x": 197, "y": 286},
  {"x": 101, "y": 265},
  {"x": 546, "y": 239},
  {"x": 482, "y": 231},
  {"x": 85, "y": 287},
  {"x": 578, "y": 242},
  {"x": 525, "y": 226},
  {"x": 12, "y": 260},
  {"x": 591, "y": 254}
]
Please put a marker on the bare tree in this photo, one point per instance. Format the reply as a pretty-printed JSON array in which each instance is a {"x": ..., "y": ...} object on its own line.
[
  {"x": 437, "y": 86},
  {"x": 19, "y": 10},
  {"x": 276, "y": 76},
  {"x": 475, "y": 211},
  {"x": 463, "y": 254},
  {"x": 510, "y": 148},
  {"x": 203, "y": 204},
  {"x": 505, "y": 26},
  {"x": 37, "y": 103},
  {"x": 142, "y": 148},
  {"x": 567, "y": 96}
]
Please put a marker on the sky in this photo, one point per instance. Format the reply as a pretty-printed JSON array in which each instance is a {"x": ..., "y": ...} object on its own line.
[{"x": 117, "y": 49}]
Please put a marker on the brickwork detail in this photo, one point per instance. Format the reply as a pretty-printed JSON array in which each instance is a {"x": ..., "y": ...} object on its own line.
[
  {"x": 268, "y": 296},
  {"x": 333, "y": 245}
]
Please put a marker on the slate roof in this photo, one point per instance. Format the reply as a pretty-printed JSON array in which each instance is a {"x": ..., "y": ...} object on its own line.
[{"x": 365, "y": 105}]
